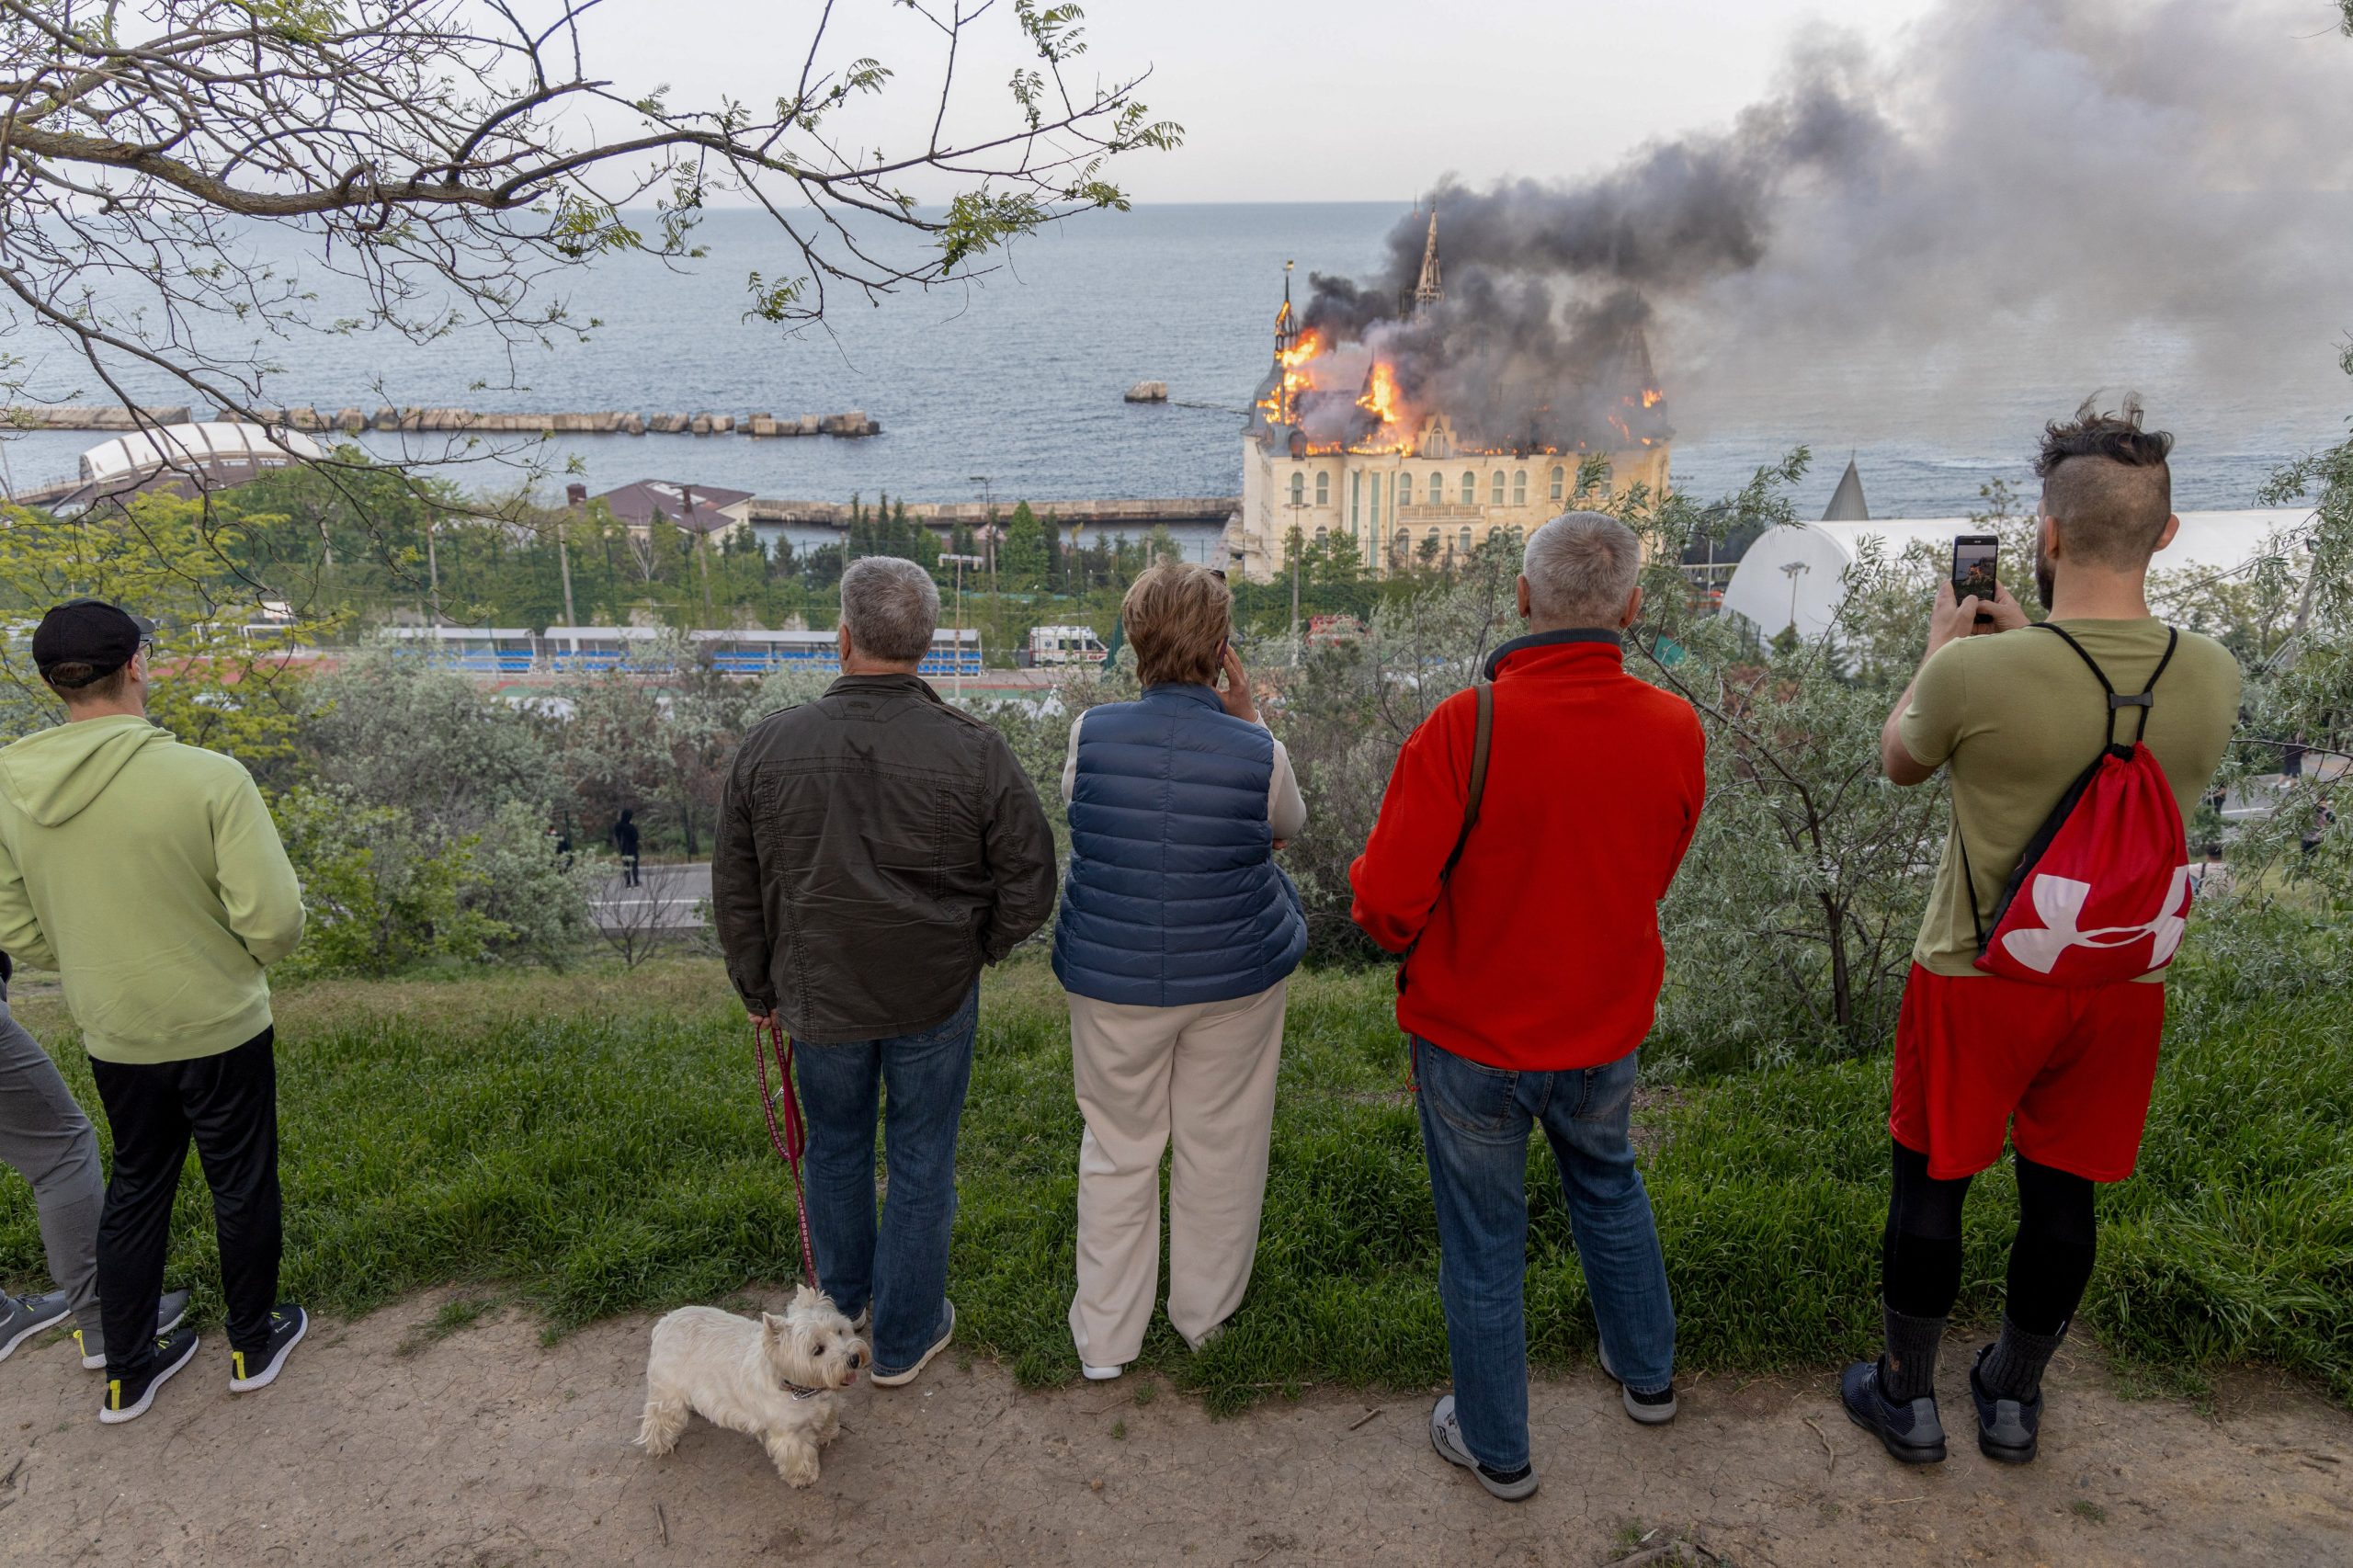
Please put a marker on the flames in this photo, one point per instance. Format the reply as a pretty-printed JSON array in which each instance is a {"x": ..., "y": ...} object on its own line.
[
  {"x": 1381, "y": 397},
  {"x": 1281, "y": 404},
  {"x": 1309, "y": 392}
]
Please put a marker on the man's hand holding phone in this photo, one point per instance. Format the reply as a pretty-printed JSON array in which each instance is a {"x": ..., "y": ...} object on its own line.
[{"x": 1955, "y": 617}]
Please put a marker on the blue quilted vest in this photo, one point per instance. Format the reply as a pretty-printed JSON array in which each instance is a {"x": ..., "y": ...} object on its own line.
[{"x": 1173, "y": 895}]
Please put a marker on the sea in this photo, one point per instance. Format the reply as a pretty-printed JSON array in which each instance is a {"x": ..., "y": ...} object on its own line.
[{"x": 1009, "y": 386}]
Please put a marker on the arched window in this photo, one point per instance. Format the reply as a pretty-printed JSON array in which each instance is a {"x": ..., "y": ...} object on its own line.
[
  {"x": 1404, "y": 489},
  {"x": 1400, "y": 543},
  {"x": 1323, "y": 489},
  {"x": 1299, "y": 489},
  {"x": 1495, "y": 489},
  {"x": 1319, "y": 534},
  {"x": 1557, "y": 477},
  {"x": 1519, "y": 487},
  {"x": 1464, "y": 542},
  {"x": 1470, "y": 488}
]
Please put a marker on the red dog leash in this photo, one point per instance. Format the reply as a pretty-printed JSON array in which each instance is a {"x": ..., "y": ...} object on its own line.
[{"x": 769, "y": 1038}]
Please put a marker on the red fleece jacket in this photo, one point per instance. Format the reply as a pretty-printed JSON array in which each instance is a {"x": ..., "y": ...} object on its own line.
[{"x": 1542, "y": 953}]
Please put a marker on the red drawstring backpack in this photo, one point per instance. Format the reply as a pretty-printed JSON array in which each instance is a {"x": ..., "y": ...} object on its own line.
[{"x": 2102, "y": 891}]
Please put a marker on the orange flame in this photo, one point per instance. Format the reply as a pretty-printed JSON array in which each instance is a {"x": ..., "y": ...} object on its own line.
[
  {"x": 1381, "y": 398},
  {"x": 1653, "y": 397}
]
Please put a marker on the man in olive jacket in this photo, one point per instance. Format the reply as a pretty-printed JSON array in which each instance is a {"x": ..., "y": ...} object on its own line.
[
  {"x": 876, "y": 847},
  {"x": 150, "y": 876}
]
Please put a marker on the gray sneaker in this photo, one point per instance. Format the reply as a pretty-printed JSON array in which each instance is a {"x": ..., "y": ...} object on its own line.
[
  {"x": 1446, "y": 1437},
  {"x": 170, "y": 1312},
  {"x": 21, "y": 1317},
  {"x": 891, "y": 1379},
  {"x": 1654, "y": 1409}
]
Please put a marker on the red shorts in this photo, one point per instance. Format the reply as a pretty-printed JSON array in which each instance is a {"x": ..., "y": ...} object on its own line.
[{"x": 2072, "y": 1065}]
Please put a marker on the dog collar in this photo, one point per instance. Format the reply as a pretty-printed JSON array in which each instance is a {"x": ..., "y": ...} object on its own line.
[{"x": 797, "y": 1393}]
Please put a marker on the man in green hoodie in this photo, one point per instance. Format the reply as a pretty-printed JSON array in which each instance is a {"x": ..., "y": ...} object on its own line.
[{"x": 150, "y": 876}]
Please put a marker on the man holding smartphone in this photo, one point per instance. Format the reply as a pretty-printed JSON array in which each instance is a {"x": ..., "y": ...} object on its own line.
[{"x": 2065, "y": 1072}]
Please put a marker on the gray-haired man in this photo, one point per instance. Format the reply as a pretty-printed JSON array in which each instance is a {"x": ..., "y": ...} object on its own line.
[
  {"x": 1535, "y": 972},
  {"x": 876, "y": 847}
]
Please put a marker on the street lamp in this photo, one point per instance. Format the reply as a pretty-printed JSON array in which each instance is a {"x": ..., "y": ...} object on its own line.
[
  {"x": 1298, "y": 549},
  {"x": 1794, "y": 570},
  {"x": 956, "y": 656}
]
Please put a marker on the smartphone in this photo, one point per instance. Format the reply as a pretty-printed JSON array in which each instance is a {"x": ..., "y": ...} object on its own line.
[{"x": 1973, "y": 571}]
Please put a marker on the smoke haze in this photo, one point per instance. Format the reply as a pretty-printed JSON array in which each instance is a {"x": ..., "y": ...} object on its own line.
[{"x": 2143, "y": 191}]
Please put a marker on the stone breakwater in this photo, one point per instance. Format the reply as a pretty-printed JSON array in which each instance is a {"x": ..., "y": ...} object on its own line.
[{"x": 437, "y": 421}]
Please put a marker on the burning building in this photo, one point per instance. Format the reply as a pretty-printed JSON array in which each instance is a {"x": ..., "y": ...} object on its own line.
[{"x": 1417, "y": 427}]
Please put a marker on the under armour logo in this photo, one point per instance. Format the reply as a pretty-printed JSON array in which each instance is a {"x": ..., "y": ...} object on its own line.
[{"x": 2059, "y": 900}]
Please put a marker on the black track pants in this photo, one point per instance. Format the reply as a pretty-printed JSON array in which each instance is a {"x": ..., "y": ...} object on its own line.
[{"x": 227, "y": 1105}]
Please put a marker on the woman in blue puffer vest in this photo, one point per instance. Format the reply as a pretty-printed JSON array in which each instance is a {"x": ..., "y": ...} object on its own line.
[{"x": 1176, "y": 933}]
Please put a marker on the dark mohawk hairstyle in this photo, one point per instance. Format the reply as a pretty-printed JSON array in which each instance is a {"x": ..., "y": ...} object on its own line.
[{"x": 2097, "y": 434}]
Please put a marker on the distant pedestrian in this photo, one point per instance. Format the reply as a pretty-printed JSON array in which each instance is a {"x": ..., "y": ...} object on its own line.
[
  {"x": 1177, "y": 938},
  {"x": 2063, "y": 1067},
  {"x": 625, "y": 842},
  {"x": 876, "y": 848},
  {"x": 45, "y": 1138},
  {"x": 149, "y": 874},
  {"x": 1530, "y": 916}
]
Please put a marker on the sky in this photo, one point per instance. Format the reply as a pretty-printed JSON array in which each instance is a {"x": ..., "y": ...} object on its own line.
[{"x": 1288, "y": 100}]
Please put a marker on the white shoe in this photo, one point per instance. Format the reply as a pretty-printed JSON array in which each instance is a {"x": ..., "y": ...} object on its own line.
[{"x": 1100, "y": 1374}]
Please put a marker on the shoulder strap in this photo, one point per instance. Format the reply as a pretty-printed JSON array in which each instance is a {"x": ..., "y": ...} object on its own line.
[
  {"x": 1482, "y": 738},
  {"x": 2144, "y": 700}
]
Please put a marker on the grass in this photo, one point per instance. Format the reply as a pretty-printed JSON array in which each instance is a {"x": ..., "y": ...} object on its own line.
[{"x": 592, "y": 1144}]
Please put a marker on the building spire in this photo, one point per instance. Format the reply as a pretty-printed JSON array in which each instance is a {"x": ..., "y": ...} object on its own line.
[
  {"x": 1286, "y": 329},
  {"x": 1428, "y": 291}
]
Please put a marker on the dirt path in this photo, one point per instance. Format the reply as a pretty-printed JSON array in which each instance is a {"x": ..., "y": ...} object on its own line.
[{"x": 485, "y": 1449}]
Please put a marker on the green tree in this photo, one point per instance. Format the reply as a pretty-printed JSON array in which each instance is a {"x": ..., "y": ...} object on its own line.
[
  {"x": 215, "y": 684},
  {"x": 1021, "y": 559}
]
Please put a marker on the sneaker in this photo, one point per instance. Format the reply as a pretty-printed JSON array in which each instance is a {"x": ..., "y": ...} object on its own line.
[
  {"x": 170, "y": 1312},
  {"x": 2007, "y": 1429},
  {"x": 1446, "y": 1437},
  {"x": 251, "y": 1369},
  {"x": 1910, "y": 1431},
  {"x": 1099, "y": 1374},
  {"x": 128, "y": 1399},
  {"x": 1653, "y": 1409},
  {"x": 21, "y": 1317},
  {"x": 907, "y": 1374}
]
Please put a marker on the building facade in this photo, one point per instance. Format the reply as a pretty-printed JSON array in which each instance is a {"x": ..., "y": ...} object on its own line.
[
  {"x": 1339, "y": 446},
  {"x": 1424, "y": 506}
]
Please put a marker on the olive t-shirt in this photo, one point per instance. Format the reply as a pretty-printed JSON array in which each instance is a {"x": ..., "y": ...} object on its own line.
[{"x": 2018, "y": 716}]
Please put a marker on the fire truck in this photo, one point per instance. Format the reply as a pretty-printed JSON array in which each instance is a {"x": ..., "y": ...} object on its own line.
[{"x": 1066, "y": 645}]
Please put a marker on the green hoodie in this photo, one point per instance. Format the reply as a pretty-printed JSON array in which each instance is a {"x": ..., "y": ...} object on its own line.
[{"x": 149, "y": 875}]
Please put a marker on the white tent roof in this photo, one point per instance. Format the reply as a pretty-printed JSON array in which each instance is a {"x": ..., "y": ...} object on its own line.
[
  {"x": 1793, "y": 574},
  {"x": 193, "y": 444}
]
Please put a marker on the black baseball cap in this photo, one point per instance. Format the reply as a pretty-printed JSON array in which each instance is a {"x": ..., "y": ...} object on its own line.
[{"x": 89, "y": 631}]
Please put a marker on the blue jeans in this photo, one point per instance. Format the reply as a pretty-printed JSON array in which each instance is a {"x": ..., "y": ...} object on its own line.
[
  {"x": 900, "y": 1267},
  {"x": 1475, "y": 1122}
]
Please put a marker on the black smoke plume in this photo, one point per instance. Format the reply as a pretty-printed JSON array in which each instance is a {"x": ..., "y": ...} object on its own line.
[{"x": 2128, "y": 171}]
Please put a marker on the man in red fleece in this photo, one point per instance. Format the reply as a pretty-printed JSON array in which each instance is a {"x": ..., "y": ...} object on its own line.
[{"x": 1534, "y": 975}]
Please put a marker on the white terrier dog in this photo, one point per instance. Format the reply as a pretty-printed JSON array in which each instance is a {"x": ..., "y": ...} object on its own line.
[{"x": 777, "y": 1378}]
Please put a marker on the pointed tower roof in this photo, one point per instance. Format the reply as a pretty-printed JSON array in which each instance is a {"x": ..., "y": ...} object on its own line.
[
  {"x": 1847, "y": 502},
  {"x": 1428, "y": 291},
  {"x": 1286, "y": 329}
]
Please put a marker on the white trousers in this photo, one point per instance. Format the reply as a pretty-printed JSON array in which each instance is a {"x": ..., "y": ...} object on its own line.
[{"x": 1200, "y": 1078}]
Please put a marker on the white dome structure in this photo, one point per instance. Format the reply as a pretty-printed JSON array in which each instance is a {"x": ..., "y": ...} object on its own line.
[
  {"x": 197, "y": 446},
  {"x": 1793, "y": 575}
]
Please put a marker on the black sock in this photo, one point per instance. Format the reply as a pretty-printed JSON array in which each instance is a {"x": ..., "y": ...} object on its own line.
[
  {"x": 1908, "y": 1370},
  {"x": 2013, "y": 1367}
]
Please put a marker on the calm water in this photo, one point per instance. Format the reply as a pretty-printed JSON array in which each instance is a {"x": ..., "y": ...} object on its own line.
[{"x": 1018, "y": 378}]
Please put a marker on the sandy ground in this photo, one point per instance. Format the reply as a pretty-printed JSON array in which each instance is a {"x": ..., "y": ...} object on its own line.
[{"x": 485, "y": 1449}]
